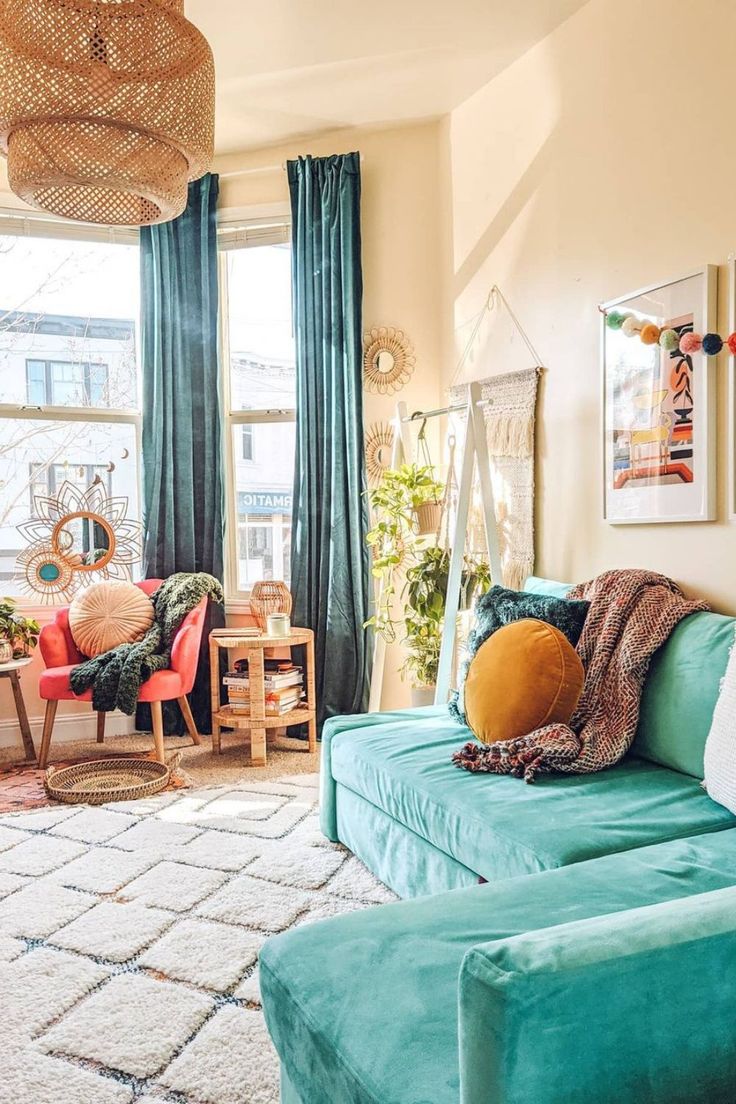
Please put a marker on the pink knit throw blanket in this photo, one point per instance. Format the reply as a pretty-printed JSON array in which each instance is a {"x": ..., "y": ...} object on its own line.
[{"x": 631, "y": 615}]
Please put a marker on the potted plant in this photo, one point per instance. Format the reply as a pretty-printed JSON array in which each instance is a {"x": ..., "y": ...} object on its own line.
[
  {"x": 424, "y": 612},
  {"x": 18, "y": 635},
  {"x": 395, "y": 502},
  {"x": 423, "y": 641},
  {"x": 396, "y": 545}
]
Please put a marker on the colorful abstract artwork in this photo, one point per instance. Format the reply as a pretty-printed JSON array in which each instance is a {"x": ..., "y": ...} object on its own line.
[
  {"x": 658, "y": 406},
  {"x": 654, "y": 413}
]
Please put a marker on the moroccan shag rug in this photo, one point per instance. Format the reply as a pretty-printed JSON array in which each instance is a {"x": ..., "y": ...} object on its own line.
[{"x": 129, "y": 940}]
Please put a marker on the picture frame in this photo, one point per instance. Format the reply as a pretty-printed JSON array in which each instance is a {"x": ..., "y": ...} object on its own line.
[{"x": 658, "y": 408}]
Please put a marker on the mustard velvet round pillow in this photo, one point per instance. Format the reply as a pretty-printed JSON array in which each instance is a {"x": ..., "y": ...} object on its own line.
[
  {"x": 524, "y": 676},
  {"x": 107, "y": 614}
]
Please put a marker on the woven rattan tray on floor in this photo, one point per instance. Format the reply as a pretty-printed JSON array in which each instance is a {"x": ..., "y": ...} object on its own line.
[{"x": 103, "y": 780}]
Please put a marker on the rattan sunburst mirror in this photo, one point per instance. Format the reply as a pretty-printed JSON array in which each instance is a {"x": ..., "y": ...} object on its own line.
[
  {"x": 379, "y": 443},
  {"x": 74, "y": 538},
  {"x": 388, "y": 360}
]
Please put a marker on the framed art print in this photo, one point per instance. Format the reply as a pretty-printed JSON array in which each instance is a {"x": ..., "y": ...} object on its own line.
[{"x": 659, "y": 408}]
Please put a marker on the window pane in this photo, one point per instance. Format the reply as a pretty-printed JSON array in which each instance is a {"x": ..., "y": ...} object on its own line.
[
  {"x": 37, "y": 457},
  {"x": 263, "y": 494},
  {"x": 36, "y": 378},
  {"x": 247, "y": 432},
  {"x": 262, "y": 373},
  {"x": 68, "y": 321}
]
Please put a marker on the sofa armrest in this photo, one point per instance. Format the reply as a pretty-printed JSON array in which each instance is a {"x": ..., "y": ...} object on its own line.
[{"x": 630, "y": 1007}]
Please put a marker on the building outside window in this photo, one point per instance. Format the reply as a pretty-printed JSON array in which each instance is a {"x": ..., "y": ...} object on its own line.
[
  {"x": 69, "y": 376},
  {"x": 64, "y": 383},
  {"x": 261, "y": 386},
  {"x": 47, "y": 479}
]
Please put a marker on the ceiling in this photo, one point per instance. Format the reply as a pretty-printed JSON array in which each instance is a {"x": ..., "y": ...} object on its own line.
[
  {"x": 290, "y": 68},
  {"x": 286, "y": 68}
]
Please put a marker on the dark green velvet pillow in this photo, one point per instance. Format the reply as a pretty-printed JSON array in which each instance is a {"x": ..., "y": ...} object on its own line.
[{"x": 500, "y": 606}]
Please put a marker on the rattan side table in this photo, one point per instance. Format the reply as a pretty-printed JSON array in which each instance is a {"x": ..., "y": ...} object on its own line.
[{"x": 257, "y": 722}]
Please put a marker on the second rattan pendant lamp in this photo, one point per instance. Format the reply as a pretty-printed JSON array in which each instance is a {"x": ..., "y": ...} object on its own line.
[{"x": 106, "y": 107}]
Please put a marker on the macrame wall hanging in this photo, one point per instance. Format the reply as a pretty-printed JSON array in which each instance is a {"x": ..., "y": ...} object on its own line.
[{"x": 509, "y": 411}]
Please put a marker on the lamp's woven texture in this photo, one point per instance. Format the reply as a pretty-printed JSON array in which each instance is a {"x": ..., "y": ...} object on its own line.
[
  {"x": 269, "y": 596},
  {"x": 106, "y": 107}
]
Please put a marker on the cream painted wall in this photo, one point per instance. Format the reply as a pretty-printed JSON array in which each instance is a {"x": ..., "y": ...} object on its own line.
[{"x": 600, "y": 162}]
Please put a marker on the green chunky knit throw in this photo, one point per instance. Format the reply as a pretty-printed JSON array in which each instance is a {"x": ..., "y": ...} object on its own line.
[{"x": 117, "y": 676}]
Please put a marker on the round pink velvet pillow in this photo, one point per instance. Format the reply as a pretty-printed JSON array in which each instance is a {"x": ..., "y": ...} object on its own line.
[{"x": 107, "y": 614}]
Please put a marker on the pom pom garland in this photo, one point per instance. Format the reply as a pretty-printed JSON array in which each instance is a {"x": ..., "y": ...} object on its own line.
[
  {"x": 668, "y": 339},
  {"x": 650, "y": 334},
  {"x": 691, "y": 343},
  {"x": 712, "y": 344}
]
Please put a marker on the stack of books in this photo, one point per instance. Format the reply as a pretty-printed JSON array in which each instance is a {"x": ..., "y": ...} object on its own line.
[{"x": 283, "y": 687}]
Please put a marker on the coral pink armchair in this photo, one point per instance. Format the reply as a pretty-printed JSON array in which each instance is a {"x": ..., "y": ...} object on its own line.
[{"x": 60, "y": 654}]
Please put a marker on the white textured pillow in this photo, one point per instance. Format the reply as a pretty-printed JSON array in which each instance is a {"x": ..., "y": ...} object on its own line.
[
  {"x": 107, "y": 614},
  {"x": 720, "y": 747}
]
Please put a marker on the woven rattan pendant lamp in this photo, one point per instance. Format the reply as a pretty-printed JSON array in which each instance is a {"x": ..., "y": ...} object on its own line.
[{"x": 106, "y": 107}]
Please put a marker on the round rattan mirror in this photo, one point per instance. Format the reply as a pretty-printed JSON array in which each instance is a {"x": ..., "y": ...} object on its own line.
[
  {"x": 388, "y": 359},
  {"x": 85, "y": 541},
  {"x": 379, "y": 441}
]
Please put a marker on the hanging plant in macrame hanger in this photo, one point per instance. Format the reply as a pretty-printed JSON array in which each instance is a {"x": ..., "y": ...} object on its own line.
[{"x": 428, "y": 516}]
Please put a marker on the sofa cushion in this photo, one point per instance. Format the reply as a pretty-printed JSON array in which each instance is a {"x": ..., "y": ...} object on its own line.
[
  {"x": 524, "y": 676},
  {"x": 107, "y": 614},
  {"x": 327, "y": 986},
  {"x": 720, "y": 747},
  {"x": 500, "y": 607},
  {"x": 681, "y": 692},
  {"x": 495, "y": 824}
]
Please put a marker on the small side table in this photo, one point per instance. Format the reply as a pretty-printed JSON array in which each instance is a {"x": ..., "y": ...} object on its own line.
[
  {"x": 257, "y": 721},
  {"x": 12, "y": 670}
]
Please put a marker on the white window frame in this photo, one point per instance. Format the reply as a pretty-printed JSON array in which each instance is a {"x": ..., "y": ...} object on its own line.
[
  {"x": 45, "y": 226},
  {"x": 242, "y": 229}
]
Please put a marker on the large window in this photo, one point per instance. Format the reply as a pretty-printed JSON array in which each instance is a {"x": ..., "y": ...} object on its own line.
[
  {"x": 69, "y": 381},
  {"x": 260, "y": 390}
]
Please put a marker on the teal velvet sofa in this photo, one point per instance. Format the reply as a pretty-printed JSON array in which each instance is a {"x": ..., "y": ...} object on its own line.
[{"x": 597, "y": 964}]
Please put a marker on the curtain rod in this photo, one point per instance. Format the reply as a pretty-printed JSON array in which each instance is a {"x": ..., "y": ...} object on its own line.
[{"x": 260, "y": 169}]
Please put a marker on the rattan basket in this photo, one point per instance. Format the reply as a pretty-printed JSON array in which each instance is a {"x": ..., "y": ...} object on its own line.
[
  {"x": 269, "y": 596},
  {"x": 103, "y": 780}
]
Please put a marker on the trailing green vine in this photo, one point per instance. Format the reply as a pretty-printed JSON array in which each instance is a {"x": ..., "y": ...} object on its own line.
[{"x": 400, "y": 553}]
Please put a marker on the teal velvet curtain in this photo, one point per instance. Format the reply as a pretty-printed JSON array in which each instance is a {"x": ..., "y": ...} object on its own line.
[
  {"x": 182, "y": 461},
  {"x": 330, "y": 571}
]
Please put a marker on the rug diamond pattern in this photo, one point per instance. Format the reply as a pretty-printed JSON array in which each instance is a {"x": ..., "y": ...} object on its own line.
[{"x": 129, "y": 940}]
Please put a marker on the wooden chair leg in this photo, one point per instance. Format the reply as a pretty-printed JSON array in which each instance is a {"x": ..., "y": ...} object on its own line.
[
  {"x": 158, "y": 730},
  {"x": 48, "y": 728},
  {"x": 101, "y": 727},
  {"x": 189, "y": 719}
]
